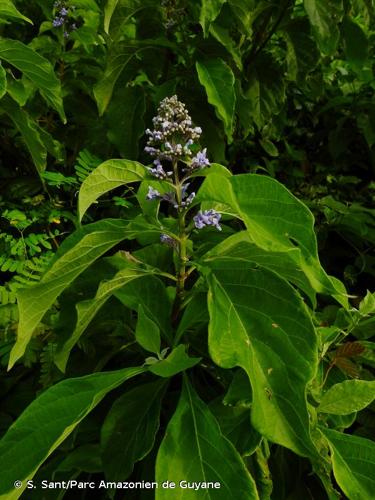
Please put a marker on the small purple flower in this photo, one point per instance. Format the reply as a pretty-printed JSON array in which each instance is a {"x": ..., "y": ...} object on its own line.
[
  {"x": 64, "y": 12},
  {"x": 153, "y": 194},
  {"x": 200, "y": 160},
  {"x": 66, "y": 34},
  {"x": 158, "y": 171},
  {"x": 167, "y": 240},
  {"x": 207, "y": 218},
  {"x": 57, "y": 22},
  {"x": 73, "y": 27}
]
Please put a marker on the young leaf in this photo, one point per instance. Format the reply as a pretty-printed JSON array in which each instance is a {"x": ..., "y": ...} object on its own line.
[
  {"x": 129, "y": 430},
  {"x": 195, "y": 450},
  {"x": 259, "y": 323},
  {"x": 147, "y": 333},
  {"x": 347, "y": 397},
  {"x": 48, "y": 421},
  {"x": 107, "y": 176},
  {"x": 218, "y": 80},
  {"x": 177, "y": 361},
  {"x": 37, "y": 69},
  {"x": 353, "y": 460}
]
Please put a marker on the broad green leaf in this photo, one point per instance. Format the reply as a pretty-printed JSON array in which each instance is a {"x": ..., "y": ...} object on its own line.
[
  {"x": 107, "y": 176},
  {"x": 29, "y": 132},
  {"x": 355, "y": 43},
  {"x": 9, "y": 11},
  {"x": 210, "y": 9},
  {"x": 129, "y": 429},
  {"x": 38, "y": 69},
  {"x": 48, "y": 421},
  {"x": 119, "y": 13},
  {"x": 240, "y": 247},
  {"x": 325, "y": 16},
  {"x": 177, "y": 361},
  {"x": 302, "y": 54},
  {"x": 125, "y": 120},
  {"x": 259, "y": 322},
  {"x": 347, "y": 397},
  {"x": 265, "y": 92},
  {"x": 120, "y": 57},
  {"x": 147, "y": 332},
  {"x": 275, "y": 220},
  {"x": 3, "y": 81},
  {"x": 222, "y": 35},
  {"x": 195, "y": 450},
  {"x": 218, "y": 80},
  {"x": 87, "y": 309},
  {"x": 353, "y": 460},
  {"x": 75, "y": 255}
]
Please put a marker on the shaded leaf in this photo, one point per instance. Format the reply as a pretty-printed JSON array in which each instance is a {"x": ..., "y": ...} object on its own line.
[
  {"x": 9, "y": 11},
  {"x": 353, "y": 460},
  {"x": 210, "y": 9},
  {"x": 218, "y": 80},
  {"x": 48, "y": 421},
  {"x": 129, "y": 429},
  {"x": 347, "y": 397},
  {"x": 147, "y": 332},
  {"x": 177, "y": 361},
  {"x": 195, "y": 450},
  {"x": 325, "y": 16}
]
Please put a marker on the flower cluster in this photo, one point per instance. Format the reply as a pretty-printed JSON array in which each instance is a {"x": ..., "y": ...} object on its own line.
[
  {"x": 62, "y": 17},
  {"x": 173, "y": 133},
  {"x": 173, "y": 139},
  {"x": 207, "y": 218}
]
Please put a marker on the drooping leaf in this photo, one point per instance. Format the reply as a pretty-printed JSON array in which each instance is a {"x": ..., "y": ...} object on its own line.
[
  {"x": 38, "y": 69},
  {"x": 129, "y": 429},
  {"x": 240, "y": 247},
  {"x": 48, "y": 421},
  {"x": 147, "y": 332},
  {"x": 325, "y": 16},
  {"x": 29, "y": 132},
  {"x": 259, "y": 323},
  {"x": 353, "y": 460},
  {"x": 355, "y": 43},
  {"x": 177, "y": 361},
  {"x": 125, "y": 120},
  {"x": 210, "y": 9},
  {"x": 275, "y": 220},
  {"x": 218, "y": 80},
  {"x": 347, "y": 397},
  {"x": 119, "y": 58},
  {"x": 9, "y": 11},
  {"x": 195, "y": 450},
  {"x": 107, "y": 176},
  {"x": 3, "y": 81},
  {"x": 76, "y": 253}
]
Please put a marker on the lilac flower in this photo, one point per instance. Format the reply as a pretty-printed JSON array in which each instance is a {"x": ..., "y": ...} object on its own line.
[
  {"x": 66, "y": 34},
  {"x": 200, "y": 160},
  {"x": 207, "y": 218},
  {"x": 64, "y": 12},
  {"x": 173, "y": 127},
  {"x": 167, "y": 240},
  {"x": 57, "y": 22},
  {"x": 153, "y": 194},
  {"x": 158, "y": 171}
]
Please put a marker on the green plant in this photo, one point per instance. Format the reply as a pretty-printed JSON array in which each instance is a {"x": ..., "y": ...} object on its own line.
[{"x": 224, "y": 296}]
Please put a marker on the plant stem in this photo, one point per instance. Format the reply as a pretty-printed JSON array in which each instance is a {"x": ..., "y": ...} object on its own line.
[{"x": 181, "y": 256}]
